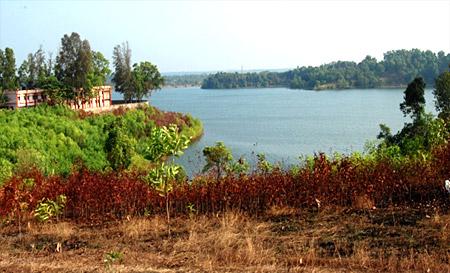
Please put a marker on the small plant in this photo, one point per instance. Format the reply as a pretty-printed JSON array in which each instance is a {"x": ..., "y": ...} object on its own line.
[
  {"x": 263, "y": 165},
  {"x": 238, "y": 167},
  {"x": 165, "y": 142},
  {"x": 191, "y": 210},
  {"x": 112, "y": 258},
  {"x": 47, "y": 209},
  {"x": 217, "y": 157},
  {"x": 220, "y": 160},
  {"x": 162, "y": 178}
]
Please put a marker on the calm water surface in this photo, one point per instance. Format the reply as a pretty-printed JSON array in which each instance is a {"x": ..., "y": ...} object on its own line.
[{"x": 284, "y": 123}]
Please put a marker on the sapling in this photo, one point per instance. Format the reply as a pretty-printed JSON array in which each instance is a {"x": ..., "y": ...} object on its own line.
[{"x": 165, "y": 142}]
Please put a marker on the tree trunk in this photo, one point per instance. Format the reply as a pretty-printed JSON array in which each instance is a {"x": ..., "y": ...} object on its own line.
[{"x": 168, "y": 213}]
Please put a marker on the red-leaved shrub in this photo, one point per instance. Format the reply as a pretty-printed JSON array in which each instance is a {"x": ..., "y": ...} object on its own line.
[{"x": 113, "y": 195}]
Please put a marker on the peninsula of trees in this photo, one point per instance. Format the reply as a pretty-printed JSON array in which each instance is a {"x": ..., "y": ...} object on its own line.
[{"x": 397, "y": 69}]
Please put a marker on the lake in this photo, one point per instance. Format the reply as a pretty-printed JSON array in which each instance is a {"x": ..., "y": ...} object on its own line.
[{"x": 284, "y": 123}]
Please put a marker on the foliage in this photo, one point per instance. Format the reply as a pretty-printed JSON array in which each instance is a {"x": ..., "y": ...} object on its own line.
[
  {"x": 77, "y": 70},
  {"x": 34, "y": 70},
  {"x": 220, "y": 161},
  {"x": 442, "y": 94},
  {"x": 419, "y": 137},
  {"x": 56, "y": 92},
  {"x": 414, "y": 100},
  {"x": 263, "y": 165},
  {"x": 119, "y": 146},
  {"x": 165, "y": 142},
  {"x": 48, "y": 209},
  {"x": 111, "y": 258},
  {"x": 122, "y": 70},
  {"x": 137, "y": 81},
  {"x": 184, "y": 80},
  {"x": 396, "y": 69},
  {"x": 160, "y": 178},
  {"x": 6, "y": 170},
  {"x": 100, "y": 69},
  {"x": 94, "y": 196},
  {"x": 217, "y": 157},
  {"x": 74, "y": 65},
  {"x": 8, "y": 78},
  {"x": 145, "y": 78},
  {"x": 239, "y": 167},
  {"x": 52, "y": 139}
]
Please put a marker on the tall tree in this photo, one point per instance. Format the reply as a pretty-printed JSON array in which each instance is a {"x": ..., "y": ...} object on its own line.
[
  {"x": 34, "y": 70},
  {"x": 8, "y": 70},
  {"x": 74, "y": 64},
  {"x": 146, "y": 78},
  {"x": 414, "y": 100},
  {"x": 137, "y": 81},
  {"x": 122, "y": 77},
  {"x": 27, "y": 72}
]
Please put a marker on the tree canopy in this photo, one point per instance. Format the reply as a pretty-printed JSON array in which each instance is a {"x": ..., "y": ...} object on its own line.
[
  {"x": 136, "y": 81},
  {"x": 8, "y": 79}
]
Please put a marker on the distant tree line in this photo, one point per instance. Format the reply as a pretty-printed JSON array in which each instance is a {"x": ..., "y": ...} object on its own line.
[
  {"x": 76, "y": 70},
  {"x": 185, "y": 80},
  {"x": 397, "y": 69}
]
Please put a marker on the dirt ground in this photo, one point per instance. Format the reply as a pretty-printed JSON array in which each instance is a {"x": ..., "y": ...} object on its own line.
[{"x": 282, "y": 240}]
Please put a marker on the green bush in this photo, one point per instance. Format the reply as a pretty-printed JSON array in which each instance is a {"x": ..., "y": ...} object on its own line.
[{"x": 53, "y": 138}]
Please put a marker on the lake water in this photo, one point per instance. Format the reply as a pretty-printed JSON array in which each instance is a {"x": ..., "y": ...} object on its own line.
[{"x": 284, "y": 123}]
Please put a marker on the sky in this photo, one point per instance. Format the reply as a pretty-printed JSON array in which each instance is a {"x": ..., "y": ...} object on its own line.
[{"x": 182, "y": 36}]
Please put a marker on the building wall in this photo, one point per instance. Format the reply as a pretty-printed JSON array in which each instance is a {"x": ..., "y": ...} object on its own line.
[
  {"x": 133, "y": 105},
  {"x": 33, "y": 97},
  {"x": 103, "y": 99}
]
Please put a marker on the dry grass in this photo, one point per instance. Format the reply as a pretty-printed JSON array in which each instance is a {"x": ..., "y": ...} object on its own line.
[
  {"x": 283, "y": 240},
  {"x": 231, "y": 239},
  {"x": 61, "y": 230},
  {"x": 135, "y": 228}
]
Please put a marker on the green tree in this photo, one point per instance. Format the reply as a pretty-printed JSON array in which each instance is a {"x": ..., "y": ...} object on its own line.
[
  {"x": 134, "y": 81},
  {"x": 418, "y": 137},
  {"x": 414, "y": 99},
  {"x": 119, "y": 147},
  {"x": 34, "y": 70},
  {"x": 74, "y": 65},
  {"x": 163, "y": 143},
  {"x": 100, "y": 69},
  {"x": 145, "y": 78},
  {"x": 442, "y": 95},
  {"x": 8, "y": 78},
  {"x": 56, "y": 92},
  {"x": 26, "y": 72},
  {"x": 217, "y": 158},
  {"x": 122, "y": 77}
]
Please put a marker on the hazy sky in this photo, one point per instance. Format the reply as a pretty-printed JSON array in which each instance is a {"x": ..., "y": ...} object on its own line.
[{"x": 225, "y": 35}]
